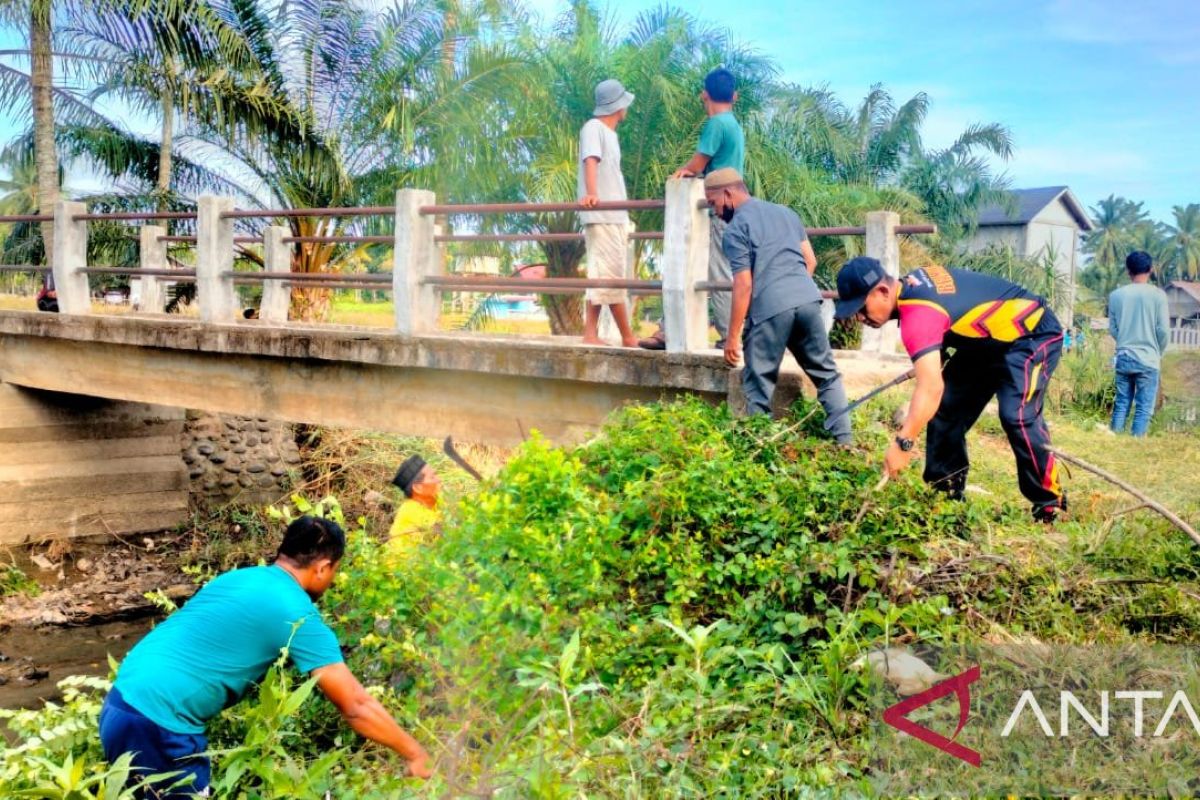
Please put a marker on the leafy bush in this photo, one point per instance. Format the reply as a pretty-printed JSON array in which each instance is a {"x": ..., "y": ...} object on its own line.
[{"x": 668, "y": 610}]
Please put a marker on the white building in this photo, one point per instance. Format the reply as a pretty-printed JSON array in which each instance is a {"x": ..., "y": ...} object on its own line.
[{"x": 1049, "y": 219}]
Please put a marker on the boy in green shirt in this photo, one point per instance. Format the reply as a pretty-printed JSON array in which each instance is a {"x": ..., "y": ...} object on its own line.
[{"x": 722, "y": 144}]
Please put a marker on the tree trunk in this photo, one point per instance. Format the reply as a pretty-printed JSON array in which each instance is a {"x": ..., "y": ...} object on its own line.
[
  {"x": 41, "y": 80},
  {"x": 164, "y": 148},
  {"x": 310, "y": 304},
  {"x": 564, "y": 310}
]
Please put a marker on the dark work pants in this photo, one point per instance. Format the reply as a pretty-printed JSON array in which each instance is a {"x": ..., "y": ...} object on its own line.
[
  {"x": 156, "y": 750},
  {"x": 802, "y": 331},
  {"x": 1016, "y": 375}
]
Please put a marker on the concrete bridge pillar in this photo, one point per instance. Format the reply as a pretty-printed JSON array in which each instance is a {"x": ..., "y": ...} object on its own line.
[
  {"x": 882, "y": 244},
  {"x": 214, "y": 258},
  {"x": 277, "y": 257},
  {"x": 72, "y": 465},
  {"x": 415, "y": 257},
  {"x": 70, "y": 256},
  {"x": 153, "y": 256},
  {"x": 685, "y": 263}
]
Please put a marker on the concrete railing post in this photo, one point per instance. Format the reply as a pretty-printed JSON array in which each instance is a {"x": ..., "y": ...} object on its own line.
[
  {"x": 153, "y": 256},
  {"x": 685, "y": 263},
  {"x": 415, "y": 257},
  {"x": 214, "y": 257},
  {"x": 277, "y": 257},
  {"x": 882, "y": 244},
  {"x": 70, "y": 256}
]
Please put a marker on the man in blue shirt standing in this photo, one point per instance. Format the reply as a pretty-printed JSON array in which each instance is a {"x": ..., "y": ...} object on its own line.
[
  {"x": 205, "y": 656},
  {"x": 1137, "y": 320},
  {"x": 774, "y": 298}
]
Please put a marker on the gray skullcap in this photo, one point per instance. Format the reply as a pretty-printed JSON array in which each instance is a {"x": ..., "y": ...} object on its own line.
[
  {"x": 726, "y": 176},
  {"x": 611, "y": 97}
]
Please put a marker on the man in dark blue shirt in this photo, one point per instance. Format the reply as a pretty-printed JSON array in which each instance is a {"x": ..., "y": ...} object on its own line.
[{"x": 774, "y": 298}]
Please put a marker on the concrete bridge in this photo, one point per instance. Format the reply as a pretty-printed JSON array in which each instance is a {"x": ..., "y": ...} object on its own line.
[{"x": 82, "y": 391}]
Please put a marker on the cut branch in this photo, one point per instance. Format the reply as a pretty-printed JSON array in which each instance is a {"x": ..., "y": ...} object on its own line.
[{"x": 1171, "y": 516}]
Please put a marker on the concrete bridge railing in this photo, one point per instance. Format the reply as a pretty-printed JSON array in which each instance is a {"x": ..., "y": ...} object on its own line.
[{"x": 418, "y": 279}]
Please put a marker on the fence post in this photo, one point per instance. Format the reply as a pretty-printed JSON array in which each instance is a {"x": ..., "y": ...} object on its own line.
[
  {"x": 153, "y": 256},
  {"x": 277, "y": 257},
  {"x": 882, "y": 244},
  {"x": 685, "y": 262},
  {"x": 214, "y": 257},
  {"x": 70, "y": 256},
  {"x": 415, "y": 257}
]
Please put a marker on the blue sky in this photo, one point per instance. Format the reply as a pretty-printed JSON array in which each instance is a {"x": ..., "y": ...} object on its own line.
[{"x": 1100, "y": 95}]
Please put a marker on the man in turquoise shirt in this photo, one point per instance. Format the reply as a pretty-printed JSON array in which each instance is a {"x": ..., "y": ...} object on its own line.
[
  {"x": 205, "y": 656},
  {"x": 1137, "y": 320},
  {"x": 722, "y": 145}
]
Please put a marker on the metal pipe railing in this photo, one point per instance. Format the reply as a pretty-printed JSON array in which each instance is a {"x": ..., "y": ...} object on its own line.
[
  {"x": 27, "y": 218},
  {"x": 364, "y": 211},
  {"x": 340, "y": 239},
  {"x": 540, "y": 208},
  {"x": 23, "y": 268},
  {"x": 134, "y": 215},
  {"x": 536, "y": 285},
  {"x": 192, "y": 239},
  {"x": 134, "y": 272},
  {"x": 379, "y": 278}
]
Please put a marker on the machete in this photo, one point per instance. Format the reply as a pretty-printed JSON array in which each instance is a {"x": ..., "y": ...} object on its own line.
[
  {"x": 896, "y": 381},
  {"x": 448, "y": 449}
]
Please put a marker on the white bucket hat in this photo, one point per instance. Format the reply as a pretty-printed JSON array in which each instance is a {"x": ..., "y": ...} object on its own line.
[{"x": 611, "y": 97}]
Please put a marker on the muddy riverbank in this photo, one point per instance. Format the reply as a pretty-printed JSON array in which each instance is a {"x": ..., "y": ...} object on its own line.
[{"x": 90, "y": 603}]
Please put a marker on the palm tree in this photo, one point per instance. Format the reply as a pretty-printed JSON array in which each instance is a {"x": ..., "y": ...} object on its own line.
[
  {"x": 152, "y": 54},
  {"x": 1185, "y": 240}
]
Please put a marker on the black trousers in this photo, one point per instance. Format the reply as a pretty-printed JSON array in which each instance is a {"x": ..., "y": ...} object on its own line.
[{"x": 1016, "y": 375}]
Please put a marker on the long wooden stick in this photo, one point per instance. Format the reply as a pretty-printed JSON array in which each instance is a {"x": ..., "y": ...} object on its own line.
[{"x": 1171, "y": 516}]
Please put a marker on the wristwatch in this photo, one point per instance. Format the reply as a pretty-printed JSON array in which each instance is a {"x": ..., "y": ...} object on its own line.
[{"x": 905, "y": 445}]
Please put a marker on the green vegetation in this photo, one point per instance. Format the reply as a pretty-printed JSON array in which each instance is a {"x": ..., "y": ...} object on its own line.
[
  {"x": 671, "y": 609},
  {"x": 13, "y": 580}
]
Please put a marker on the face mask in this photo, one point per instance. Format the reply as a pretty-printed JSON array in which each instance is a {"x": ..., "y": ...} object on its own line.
[{"x": 727, "y": 213}]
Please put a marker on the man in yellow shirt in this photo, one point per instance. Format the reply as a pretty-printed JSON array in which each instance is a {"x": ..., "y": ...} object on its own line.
[{"x": 420, "y": 511}]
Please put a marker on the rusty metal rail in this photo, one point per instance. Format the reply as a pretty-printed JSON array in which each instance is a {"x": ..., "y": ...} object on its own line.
[
  {"x": 341, "y": 239},
  {"x": 134, "y": 272},
  {"x": 135, "y": 215},
  {"x": 27, "y": 218},
  {"x": 364, "y": 211},
  {"x": 192, "y": 239},
  {"x": 541, "y": 208},
  {"x": 375, "y": 278}
]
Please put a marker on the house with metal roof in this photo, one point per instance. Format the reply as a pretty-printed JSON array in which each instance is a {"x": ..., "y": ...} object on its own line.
[
  {"x": 1183, "y": 303},
  {"x": 1049, "y": 219}
]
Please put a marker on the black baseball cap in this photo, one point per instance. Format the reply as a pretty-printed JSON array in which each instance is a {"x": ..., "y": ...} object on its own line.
[
  {"x": 408, "y": 473},
  {"x": 855, "y": 280}
]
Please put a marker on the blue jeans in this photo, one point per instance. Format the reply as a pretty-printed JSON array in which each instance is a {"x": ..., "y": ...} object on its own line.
[
  {"x": 123, "y": 729},
  {"x": 1137, "y": 385}
]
